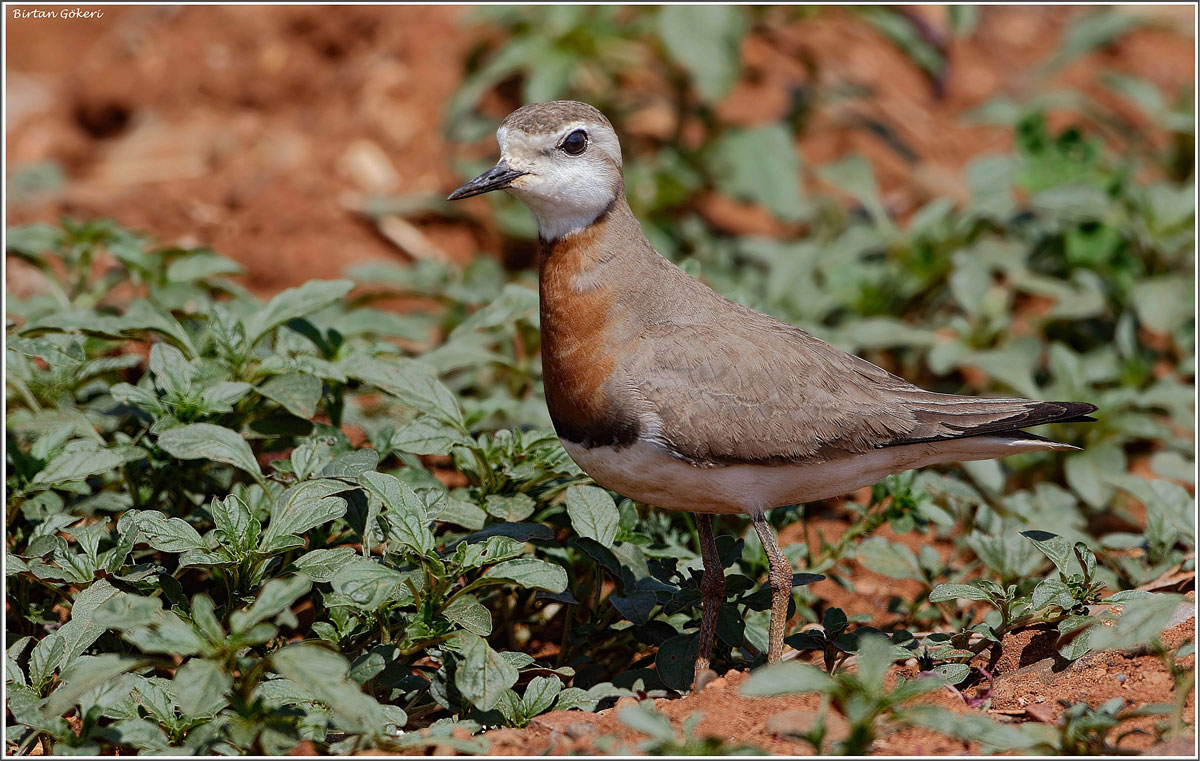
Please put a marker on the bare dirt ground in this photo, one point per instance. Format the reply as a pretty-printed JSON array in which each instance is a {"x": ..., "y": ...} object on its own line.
[
  {"x": 1028, "y": 683},
  {"x": 251, "y": 129}
]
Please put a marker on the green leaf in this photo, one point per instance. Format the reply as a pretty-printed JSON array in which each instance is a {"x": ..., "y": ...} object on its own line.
[
  {"x": 494, "y": 549},
  {"x": 1164, "y": 303},
  {"x": 167, "y": 633},
  {"x": 1087, "y": 472},
  {"x": 906, "y": 35},
  {"x": 14, "y": 565},
  {"x": 470, "y": 615},
  {"x": 1098, "y": 28},
  {"x": 706, "y": 41},
  {"x": 304, "y": 506},
  {"x": 760, "y": 165},
  {"x": 889, "y": 558},
  {"x": 47, "y": 656},
  {"x": 1174, "y": 466},
  {"x": 32, "y": 240},
  {"x": 854, "y": 176},
  {"x": 407, "y": 519},
  {"x": 309, "y": 456},
  {"x": 321, "y": 565},
  {"x": 944, "y": 592},
  {"x": 530, "y": 572},
  {"x": 1056, "y": 548},
  {"x": 412, "y": 383},
  {"x": 127, "y": 611},
  {"x": 540, "y": 694},
  {"x": 593, "y": 513},
  {"x": 172, "y": 372},
  {"x": 78, "y": 464},
  {"x": 636, "y": 606},
  {"x": 428, "y": 435},
  {"x": 1127, "y": 594},
  {"x": 482, "y": 675},
  {"x": 646, "y": 720},
  {"x": 972, "y": 727},
  {"x": 169, "y": 534},
  {"x": 351, "y": 465},
  {"x": 675, "y": 661},
  {"x": 201, "y": 266},
  {"x": 1074, "y": 636},
  {"x": 1141, "y": 621},
  {"x": 952, "y": 672},
  {"x": 367, "y": 583},
  {"x": 297, "y": 392},
  {"x": 1051, "y": 592},
  {"x": 324, "y": 675},
  {"x": 82, "y": 630},
  {"x": 461, "y": 513},
  {"x": 142, "y": 315},
  {"x": 510, "y": 507},
  {"x": 311, "y": 297},
  {"x": 83, "y": 675},
  {"x": 201, "y": 688},
  {"x": 787, "y": 679},
  {"x": 875, "y": 655},
  {"x": 204, "y": 441},
  {"x": 276, "y": 596},
  {"x": 220, "y": 397},
  {"x": 236, "y": 526},
  {"x": 963, "y": 19},
  {"x": 142, "y": 734}
]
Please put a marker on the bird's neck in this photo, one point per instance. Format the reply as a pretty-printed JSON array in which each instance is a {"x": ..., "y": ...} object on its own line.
[
  {"x": 589, "y": 284},
  {"x": 612, "y": 236}
]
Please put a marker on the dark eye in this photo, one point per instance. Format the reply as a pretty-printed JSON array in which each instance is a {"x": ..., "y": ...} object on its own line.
[{"x": 575, "y": 143}]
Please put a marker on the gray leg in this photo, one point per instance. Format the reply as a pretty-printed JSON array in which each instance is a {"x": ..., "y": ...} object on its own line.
[
  {"x": 712, "y": 589},
  {"x": 780, "y": 577}
]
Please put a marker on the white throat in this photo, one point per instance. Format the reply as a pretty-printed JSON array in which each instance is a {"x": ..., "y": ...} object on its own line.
[{"x": 561, "y": 219}]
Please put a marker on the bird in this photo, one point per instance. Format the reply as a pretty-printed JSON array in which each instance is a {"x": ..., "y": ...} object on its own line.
[{"x": 668, "y": 393}]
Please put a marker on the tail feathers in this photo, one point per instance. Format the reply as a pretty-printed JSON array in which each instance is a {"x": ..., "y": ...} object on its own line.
[{"x": 943, "y": 417}]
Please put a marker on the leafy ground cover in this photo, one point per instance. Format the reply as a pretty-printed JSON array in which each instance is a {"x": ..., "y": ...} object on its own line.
[{"x": 247, "y": 525}]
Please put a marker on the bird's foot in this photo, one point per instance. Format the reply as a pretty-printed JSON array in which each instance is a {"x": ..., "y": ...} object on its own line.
[{"x": 704, "y": 677}]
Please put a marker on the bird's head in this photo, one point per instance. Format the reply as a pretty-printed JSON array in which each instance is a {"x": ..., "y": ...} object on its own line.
[{"x": 562, "y": 159}]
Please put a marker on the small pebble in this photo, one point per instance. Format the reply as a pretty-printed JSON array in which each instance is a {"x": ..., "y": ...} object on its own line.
[{"x": 1121, "y": 678}]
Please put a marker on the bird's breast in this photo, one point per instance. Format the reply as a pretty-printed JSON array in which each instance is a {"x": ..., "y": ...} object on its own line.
[{"x": 583, "y": 342}]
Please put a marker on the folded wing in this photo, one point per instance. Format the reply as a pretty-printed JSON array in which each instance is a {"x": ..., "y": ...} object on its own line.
[{"x": 758, "y": 390}]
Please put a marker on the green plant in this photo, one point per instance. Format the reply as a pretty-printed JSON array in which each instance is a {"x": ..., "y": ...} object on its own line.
[
  {"x": 210, "y": 556},
  {"x": 1081, "y": 730},
  {"x": 1084, "y": 731},
  {"x": 1064, "y": 600},
  {"x": 861, "y": 697}
]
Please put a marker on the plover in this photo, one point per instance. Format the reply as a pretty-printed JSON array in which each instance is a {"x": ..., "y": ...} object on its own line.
[{"x": 666, "y": 392}]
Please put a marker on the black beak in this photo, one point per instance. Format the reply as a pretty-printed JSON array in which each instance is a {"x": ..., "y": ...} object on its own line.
[{"x": 496, "y": 178}]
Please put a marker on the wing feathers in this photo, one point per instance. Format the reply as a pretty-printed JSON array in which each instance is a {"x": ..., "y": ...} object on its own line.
[
  {"x": 959, "y": 416},
  {"x": 718, "y": 383}
]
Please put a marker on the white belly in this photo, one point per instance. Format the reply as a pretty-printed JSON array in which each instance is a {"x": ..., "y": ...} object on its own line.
[{"x": 648, "y": 473}]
